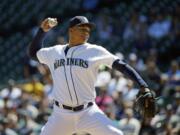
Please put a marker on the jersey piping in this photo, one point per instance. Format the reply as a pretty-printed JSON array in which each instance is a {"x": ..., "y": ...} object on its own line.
[
  {"x": 72, "y": 77},
  {"x": 66, "y": 77},
  {"x": 67, "y": 83}
]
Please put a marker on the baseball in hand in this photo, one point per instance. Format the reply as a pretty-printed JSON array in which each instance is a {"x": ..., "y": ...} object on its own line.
[{"x": 52, "y": 22}]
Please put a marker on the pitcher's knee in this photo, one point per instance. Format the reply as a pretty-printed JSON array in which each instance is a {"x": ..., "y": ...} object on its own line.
[
  {"x": 115, "y": 131},
  {"x": 121, "y": 133}
]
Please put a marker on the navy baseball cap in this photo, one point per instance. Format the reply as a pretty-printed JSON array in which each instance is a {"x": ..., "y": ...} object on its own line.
[{"x": 79, "y": 21}]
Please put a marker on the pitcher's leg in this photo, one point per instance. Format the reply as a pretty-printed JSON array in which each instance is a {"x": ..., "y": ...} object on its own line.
[
  {"x": 96, "y": 122},
  {"x": 103, "y": 126},
  {"x": 57, "y": 125}
]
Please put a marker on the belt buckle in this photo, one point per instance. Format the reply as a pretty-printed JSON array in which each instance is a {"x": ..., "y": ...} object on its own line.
[
  {"x": 78, "y": 108},
  {"x": 74, "y": 109}
]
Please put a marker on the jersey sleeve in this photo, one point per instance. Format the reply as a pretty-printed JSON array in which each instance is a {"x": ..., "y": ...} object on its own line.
[
  {"x": 105, "y": 57},
  {"x": 43, "y": 55}
]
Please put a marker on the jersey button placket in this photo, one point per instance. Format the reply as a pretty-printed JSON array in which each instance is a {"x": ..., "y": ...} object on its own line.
[
  {"x": 69, "y": 71},
  {"x": 66, "y": 76}
]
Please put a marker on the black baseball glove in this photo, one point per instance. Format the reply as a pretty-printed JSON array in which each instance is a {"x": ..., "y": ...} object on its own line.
[{"x": 145, "y": 103}]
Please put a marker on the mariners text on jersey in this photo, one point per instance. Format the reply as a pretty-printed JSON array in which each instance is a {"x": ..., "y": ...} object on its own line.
[{"x": 71, "y": 61}]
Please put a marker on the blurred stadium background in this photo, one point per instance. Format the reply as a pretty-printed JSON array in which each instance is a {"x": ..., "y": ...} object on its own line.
[{"x": 146, "y": 34}]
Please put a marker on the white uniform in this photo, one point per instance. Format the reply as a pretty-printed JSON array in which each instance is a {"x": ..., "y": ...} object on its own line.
[{"x": 74, "y": 76}]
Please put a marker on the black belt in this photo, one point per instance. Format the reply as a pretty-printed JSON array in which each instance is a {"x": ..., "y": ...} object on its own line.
[{"x": 75, "y": 109}]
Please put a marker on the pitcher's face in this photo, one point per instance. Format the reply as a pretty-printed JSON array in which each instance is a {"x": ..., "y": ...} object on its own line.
[{"x": 81, "y": 33}]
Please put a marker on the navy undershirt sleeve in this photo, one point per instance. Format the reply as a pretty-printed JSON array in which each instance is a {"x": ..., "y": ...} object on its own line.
[
  {"x": 129, "y": 71},
  {"x": 36, "y": 44}
]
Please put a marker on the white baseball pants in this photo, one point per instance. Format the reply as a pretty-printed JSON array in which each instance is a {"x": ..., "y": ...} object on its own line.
[{"x": 91, "y": 120}]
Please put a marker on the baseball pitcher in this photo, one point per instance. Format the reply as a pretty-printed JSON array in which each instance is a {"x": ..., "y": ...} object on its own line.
[{"x": 74, "y": 68}]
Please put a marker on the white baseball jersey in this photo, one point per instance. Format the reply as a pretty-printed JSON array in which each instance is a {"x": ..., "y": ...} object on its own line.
[{"x": 74, "y": 74}]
